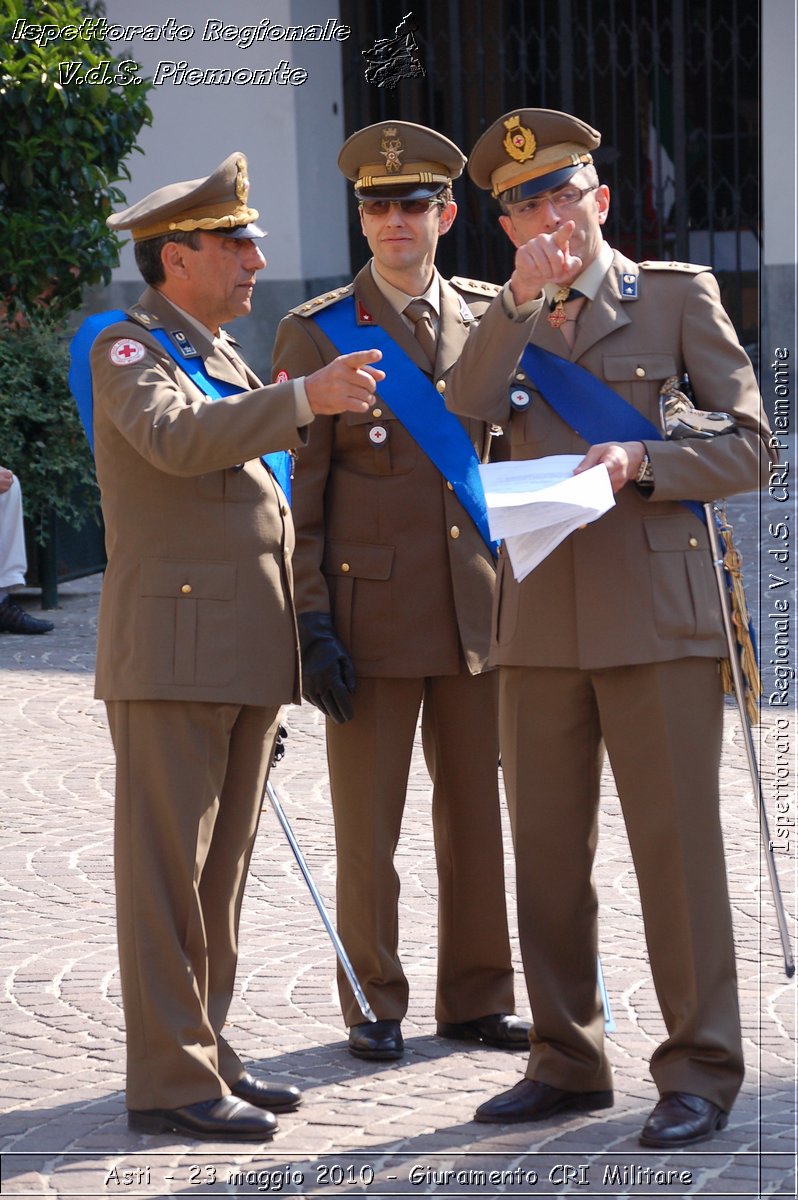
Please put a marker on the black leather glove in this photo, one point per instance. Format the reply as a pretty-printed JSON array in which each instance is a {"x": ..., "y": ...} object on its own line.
[
  {"x": 278, "y": 750},
  {"x": 328, "y": 674}
]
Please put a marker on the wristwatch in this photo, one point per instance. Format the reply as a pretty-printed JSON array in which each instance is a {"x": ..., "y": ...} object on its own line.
[{"x": 645, "y": 474}]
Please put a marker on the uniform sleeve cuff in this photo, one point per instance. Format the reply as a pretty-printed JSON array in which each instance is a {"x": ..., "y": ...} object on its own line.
[
  {"x": 304, "y": 413},
  {"x": 518, "y": 312}
]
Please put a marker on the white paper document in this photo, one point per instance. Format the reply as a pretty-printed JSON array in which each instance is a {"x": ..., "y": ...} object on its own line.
[{"x": 533, "y": 505}]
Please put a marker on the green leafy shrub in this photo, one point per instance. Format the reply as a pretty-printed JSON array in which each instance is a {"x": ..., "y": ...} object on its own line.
[
  {"x": 62, "y": 152},
  {"x": 41, "y": 438},
  {"x": 63, "y": 148}
]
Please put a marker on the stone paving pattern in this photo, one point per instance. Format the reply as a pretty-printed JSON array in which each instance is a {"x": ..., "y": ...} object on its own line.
[{"x": 396, "y": 1129}]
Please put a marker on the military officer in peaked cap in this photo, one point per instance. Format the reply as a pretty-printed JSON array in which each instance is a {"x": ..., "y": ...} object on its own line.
[
  {"x": 197, "y": 646},
  {"x": 614, "y": 639},
  {"x": 394, "y": 576}
]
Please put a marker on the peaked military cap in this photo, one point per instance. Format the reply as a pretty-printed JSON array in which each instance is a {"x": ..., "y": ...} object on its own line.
[
  {"x": 217, "y": 204},
  {"x": 397, "y": 160},
  {"x": 531, "y": 150}
]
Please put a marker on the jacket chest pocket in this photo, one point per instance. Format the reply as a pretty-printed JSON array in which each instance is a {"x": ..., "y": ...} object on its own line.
[
  {"x": 641, "y": 377},
  {"x": 374, "y": 443},
  {"x": 186, "y": 622}
]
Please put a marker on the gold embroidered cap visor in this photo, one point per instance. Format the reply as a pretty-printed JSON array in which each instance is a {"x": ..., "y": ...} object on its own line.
[
  {"x": 397, "y": 160},
  {"x": 216, "y": 204},
  {"x": 531, "y": 150}
]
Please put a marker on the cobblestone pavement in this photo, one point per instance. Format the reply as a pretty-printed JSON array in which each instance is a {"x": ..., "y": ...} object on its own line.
[{"x": 402, "y": 1129}]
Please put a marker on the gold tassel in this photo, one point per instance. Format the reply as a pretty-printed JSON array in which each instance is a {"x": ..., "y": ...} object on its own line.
[{"x": 752, "y": 681}]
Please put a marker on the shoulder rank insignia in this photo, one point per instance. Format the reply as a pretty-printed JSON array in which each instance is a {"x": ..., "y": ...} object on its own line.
[
  {"x": 183, "y": 344},
  {"x": 309, "y": 307},
  {"x": 694, "y": 268},
  {"x": 479, "y": 287},
  {"x": 628, "y": 285}
]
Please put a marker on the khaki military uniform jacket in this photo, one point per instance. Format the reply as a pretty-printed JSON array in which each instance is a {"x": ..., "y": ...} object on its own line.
[
  {"x": 382, "y": 541},
  {"x": 196, "y": 602},
  {"x": 638, "y": 584}
]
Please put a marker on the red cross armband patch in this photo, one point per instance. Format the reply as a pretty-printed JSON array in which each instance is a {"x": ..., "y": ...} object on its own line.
[{"x": 126, "y": 351}]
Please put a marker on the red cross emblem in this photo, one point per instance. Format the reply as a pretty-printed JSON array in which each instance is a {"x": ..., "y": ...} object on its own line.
[{"x": 126, "y": 351}]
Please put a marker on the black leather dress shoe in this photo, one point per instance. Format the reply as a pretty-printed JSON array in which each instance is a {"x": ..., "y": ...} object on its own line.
[
  {"x": 504, "y": 1030},
  {"x": 377, "y": 1040},
  {"x": 222, "y": 1120},
  {"x": 531, "y": 1100},
  {"x": 14, "y": 619},
  {"x": 263, "y": 1093},
  {"x": 679, "y": 1119}
]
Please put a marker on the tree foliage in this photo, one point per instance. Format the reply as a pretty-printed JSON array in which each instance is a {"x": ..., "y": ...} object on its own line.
[
  {"x": 63, "y": 148},
  {"x": 63, "y": 151},
  {"x": 41, "y": 438}
]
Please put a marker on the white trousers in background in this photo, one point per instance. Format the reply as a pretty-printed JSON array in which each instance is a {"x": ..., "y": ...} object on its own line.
[{"x": 13, "y": 561}]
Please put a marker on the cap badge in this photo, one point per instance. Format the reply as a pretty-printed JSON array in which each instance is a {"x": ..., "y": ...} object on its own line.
[
  {"x": 519, "y": 142},
  {"x": 242, "y": 181},
  {"x": 391, "y": 148}
]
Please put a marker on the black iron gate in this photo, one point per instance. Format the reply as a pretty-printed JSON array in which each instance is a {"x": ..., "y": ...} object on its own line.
[{"x": 673, "y": 86}]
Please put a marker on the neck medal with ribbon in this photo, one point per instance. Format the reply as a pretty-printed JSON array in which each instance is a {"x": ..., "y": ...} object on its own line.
[
  {"x": 416, "y": 402},
  {"x": 80, "y": 383}
]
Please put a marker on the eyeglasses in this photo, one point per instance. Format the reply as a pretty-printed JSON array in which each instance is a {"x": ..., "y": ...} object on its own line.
[
  {"x": 380, "y": 208},
  {"x": 566, "y": 197}
]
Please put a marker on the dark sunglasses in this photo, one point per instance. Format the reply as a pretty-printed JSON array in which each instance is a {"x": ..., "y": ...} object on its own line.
[{"x": 380, "y": 208}]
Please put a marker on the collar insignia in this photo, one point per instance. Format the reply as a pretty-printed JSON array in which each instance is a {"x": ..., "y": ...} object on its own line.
[{"x": 183, "y": 344}]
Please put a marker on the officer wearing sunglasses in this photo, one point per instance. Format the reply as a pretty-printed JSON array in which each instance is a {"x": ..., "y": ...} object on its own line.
[{"x": 394, "y": 585}]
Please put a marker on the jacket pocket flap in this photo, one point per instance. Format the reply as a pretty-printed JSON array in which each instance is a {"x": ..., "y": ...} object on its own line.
[
  {"x": 184, "y": 577},
  {"x": 675, "y": 533},
  {"x": 358, "y": 560},
  {"x": 369, "y": 418},
  {"x": 619, "y": 367}
]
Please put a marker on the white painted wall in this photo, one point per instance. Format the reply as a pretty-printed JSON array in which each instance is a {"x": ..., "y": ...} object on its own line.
[{"x": 291, "y": 135}]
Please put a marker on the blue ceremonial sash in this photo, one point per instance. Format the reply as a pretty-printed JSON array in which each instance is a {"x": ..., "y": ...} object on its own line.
[
  {"x": 598, "y": 414},
  {"x": 418, "y": 405},
  {"x": 80, "y": 383},
  {"x": 589, "y": 406}
]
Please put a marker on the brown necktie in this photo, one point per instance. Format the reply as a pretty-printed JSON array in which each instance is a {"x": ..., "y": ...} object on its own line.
[{"x": 420, "y": 313}]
